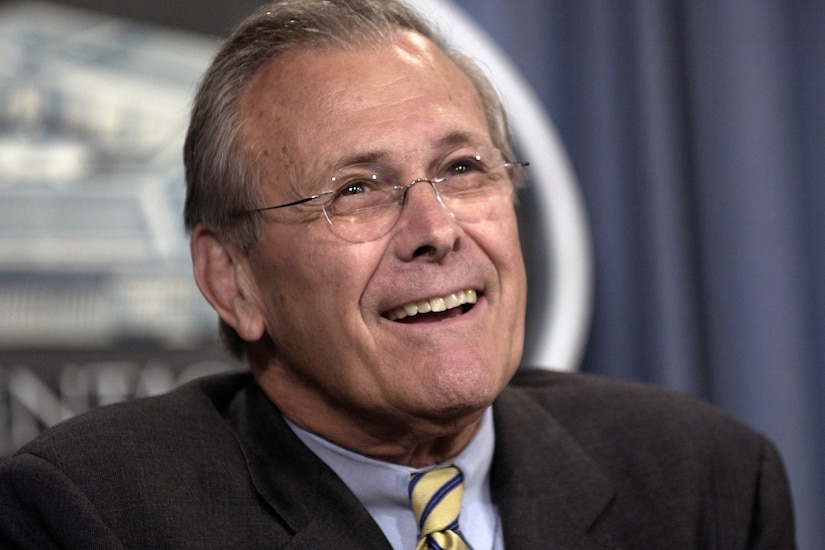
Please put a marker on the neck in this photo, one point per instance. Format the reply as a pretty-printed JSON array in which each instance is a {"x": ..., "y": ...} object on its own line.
[
  {"x": 415, "y": 443},
  {"x": 422, "y": 448},
  {"x": 396, "y": 437}
]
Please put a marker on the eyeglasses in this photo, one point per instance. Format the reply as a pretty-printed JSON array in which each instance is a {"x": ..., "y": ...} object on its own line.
[{"x": 365, "y": 200}]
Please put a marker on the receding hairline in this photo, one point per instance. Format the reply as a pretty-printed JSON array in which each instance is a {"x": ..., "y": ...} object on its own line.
[
  {"x": 375, "y": 43},
  {"x": 433, "y": 52}
]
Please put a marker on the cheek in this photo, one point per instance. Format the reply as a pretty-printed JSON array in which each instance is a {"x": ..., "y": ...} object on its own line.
[
  {"x": 500, "y": 242},
  {"x": 319, "y": 282},
  {"x": 499, "y": 238}
]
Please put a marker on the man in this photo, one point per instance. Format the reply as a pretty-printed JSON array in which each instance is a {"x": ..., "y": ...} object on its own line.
[{"x": 350, "y": 191}]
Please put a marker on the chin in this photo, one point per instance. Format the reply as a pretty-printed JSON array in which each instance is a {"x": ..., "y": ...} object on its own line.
[{"x": 466, "y": 390}]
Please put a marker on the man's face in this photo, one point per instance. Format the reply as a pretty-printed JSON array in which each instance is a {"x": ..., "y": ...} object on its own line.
[{"x": 331, "y": 356}]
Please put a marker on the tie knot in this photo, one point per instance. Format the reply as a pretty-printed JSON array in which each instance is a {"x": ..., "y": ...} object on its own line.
[{"x": 436, "y": 496}]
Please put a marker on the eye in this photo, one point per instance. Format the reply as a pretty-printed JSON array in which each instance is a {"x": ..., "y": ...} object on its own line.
[
  {"x": 468, "y": 162},
  {"x": 350, "y": 183},
  {"x": 464, "y": 166},
  {"x": 354, "y": 188}
]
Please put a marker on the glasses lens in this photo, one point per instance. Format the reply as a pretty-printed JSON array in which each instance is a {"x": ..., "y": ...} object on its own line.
[
  {"x": 364, "y": 204},
  {"x": 366, "y": 201},
  {"x": 475, "y": 183}
]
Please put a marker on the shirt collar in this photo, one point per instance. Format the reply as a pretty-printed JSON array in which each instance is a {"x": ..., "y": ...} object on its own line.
[{"x": 383, "y": 487}]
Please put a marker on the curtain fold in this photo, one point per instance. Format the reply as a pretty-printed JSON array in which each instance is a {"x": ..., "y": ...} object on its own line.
[{"x": 697, "y": 131}]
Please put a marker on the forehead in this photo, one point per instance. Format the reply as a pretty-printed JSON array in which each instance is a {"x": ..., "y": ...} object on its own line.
[{"x": 310, "y": 107}]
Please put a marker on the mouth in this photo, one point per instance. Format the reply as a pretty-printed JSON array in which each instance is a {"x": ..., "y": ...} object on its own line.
[{"x": 437, "y": 308}]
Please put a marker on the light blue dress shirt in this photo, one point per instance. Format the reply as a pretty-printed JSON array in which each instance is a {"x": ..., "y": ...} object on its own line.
[{"x": 383, "y": 488}]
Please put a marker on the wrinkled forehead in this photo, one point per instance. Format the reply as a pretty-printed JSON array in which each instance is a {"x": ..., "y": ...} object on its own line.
[
  {"x": 302, "y": 77},
  {"x": 305, "y": 109}
]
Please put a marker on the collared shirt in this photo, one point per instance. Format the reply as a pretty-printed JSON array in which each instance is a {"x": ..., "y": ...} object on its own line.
[{"x": 382, "y": 488}]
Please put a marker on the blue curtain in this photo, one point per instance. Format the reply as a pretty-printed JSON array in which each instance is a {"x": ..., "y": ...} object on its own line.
[{"x": 697, "y": 130}]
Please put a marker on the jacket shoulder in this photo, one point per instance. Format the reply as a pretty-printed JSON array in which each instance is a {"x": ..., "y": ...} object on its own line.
[
  {"x": 158, "y": 418},
  {"x": 168, "y": 468},
  {"x": 680, "y": 467},
  {"x": 642, "y": 434},
  {"x": 580, "y": 400}
]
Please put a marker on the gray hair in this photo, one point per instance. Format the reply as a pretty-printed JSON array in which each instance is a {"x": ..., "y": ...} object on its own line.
[{"x": 222, "y": 180}]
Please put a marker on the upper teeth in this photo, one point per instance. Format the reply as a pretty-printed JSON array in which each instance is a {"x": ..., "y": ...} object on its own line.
[{"x": 435, "y": 305}]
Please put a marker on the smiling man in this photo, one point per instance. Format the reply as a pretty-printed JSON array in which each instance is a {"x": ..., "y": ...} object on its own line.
[
  {"x": 350, "y": 200},
  {"x": 322, "y": 297}
]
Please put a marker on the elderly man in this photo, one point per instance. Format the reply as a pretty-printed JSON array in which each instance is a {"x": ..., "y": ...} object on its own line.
[{"x": 350, "y": 204}]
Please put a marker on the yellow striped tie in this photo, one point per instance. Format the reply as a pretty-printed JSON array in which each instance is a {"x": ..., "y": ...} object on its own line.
[{"x": 436, "y": 501}]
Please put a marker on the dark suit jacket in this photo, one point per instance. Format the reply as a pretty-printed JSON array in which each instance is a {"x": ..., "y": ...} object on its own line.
[{"x": 580, "y": 463}]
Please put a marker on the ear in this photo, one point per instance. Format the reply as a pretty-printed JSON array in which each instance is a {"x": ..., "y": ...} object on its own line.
[{"x": 220, "y": 270}]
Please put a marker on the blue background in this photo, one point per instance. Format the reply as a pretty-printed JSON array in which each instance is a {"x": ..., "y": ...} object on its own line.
[{"x": 697, "y": 131}]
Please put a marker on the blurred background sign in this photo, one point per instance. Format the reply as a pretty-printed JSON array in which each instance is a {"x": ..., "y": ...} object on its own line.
[
  {"x": 97, "y": 301},
  {"x": 92, "y": 116}
]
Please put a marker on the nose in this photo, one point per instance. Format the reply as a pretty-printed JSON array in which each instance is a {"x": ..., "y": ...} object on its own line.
[
  {"x": 427, "y": 229},
  {"x": 433, "y": 184}
]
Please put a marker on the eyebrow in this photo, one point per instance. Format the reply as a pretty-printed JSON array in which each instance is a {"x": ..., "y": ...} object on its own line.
[
  {"x": 453, "y": 139},
  {"x": 460, "y": 138},
  {"x": 368, "y": 157}
]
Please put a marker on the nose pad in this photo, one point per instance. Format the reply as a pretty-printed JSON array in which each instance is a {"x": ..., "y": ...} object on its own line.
[
  {"x": 426, "y": 229},
  {"x": 433, "y": 185}
]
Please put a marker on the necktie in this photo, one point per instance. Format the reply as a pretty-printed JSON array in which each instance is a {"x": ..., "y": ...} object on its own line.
[{"x": 436, "y": 501}]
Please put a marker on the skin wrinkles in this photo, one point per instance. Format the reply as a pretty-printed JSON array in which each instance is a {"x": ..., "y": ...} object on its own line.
[
  {"x": 346, "y": 97},
  {"x": 313, "y": 303}
]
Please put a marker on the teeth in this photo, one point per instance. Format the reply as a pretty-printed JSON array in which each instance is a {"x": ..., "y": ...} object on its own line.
[{"x": 435, "y": 305}]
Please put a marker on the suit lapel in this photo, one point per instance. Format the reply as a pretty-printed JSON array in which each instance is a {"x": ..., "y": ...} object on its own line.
[
  {"x": 548, "y": 491},
  {"x": 311, "y": 501}
]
